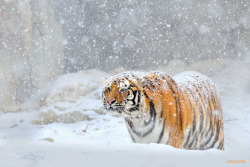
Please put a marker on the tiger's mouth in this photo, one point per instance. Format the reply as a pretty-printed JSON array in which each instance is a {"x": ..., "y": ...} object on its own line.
[
  {"x": 116, "y": 110},
  {"x": 119, "y": 111}
]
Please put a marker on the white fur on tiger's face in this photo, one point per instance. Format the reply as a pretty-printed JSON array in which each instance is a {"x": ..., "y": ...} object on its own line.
[
  {"x": 183, "y": 111},
  {"x": 122, "y": 96}
]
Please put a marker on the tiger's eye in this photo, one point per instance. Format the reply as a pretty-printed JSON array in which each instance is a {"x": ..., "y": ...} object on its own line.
[{"x": 132, "y": 85}]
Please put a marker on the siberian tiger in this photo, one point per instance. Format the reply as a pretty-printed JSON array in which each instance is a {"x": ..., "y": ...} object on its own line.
[{"x": 183, "y": 111}]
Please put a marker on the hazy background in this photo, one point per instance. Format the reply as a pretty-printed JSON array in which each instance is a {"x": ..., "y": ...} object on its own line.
[
  {"x": 136, "y": 34},
  {"x": 41, "y": 40}
]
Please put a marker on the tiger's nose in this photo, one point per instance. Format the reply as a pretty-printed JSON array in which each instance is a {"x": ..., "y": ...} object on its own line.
[{"x": 110, "y": 102}]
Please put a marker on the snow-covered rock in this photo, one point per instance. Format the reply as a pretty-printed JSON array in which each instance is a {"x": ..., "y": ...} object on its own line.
[
  {"x": 69, "y": 87},
  {"x": 72, "y": 96}
]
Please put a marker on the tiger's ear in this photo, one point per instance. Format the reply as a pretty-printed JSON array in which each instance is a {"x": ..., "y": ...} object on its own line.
[
  {"x": 107, "y": 80},
  {"x": 142, "y": 82}
]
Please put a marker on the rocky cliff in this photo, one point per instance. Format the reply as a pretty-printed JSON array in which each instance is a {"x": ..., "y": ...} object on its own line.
[{"x": 31, "y": 51}]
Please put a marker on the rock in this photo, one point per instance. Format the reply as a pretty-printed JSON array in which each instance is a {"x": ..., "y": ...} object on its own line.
[
  {"x": 71, "y": 117},
  {"x": 31, "y": 51},
  {"x": 81, "y": 84}
]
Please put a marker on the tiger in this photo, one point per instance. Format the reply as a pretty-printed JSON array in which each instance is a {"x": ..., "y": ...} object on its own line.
[{"x": 183, "y": 111}]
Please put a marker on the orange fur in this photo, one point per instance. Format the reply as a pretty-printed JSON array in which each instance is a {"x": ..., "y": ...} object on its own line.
[{"x": 184, "y": 113}]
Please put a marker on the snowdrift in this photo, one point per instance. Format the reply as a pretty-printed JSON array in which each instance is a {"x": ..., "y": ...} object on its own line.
[{"x": 72, "y": 129}]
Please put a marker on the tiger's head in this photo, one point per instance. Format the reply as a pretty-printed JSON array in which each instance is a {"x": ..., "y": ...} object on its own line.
[{"x": 122, "y": 95}]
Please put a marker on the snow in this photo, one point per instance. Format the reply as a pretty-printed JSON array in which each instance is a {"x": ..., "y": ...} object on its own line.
[
  {"x": 74, "y": 130},
  {"x": 64, "y": 124}
]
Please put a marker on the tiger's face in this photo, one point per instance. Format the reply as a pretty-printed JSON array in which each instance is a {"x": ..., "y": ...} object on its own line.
[{"x": 122, "y": 96}]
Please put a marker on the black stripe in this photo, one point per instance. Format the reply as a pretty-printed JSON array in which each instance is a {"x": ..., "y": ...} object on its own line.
[
  {"x": 217, "y": 136},
  {"x": 157, "y": 80},
  {"x": 134, "y": 93},
  {"x": 197, "y": 90},
  {"x": 162, "y": 76},
  {"x": 212, "y": 116},
  {"x": 212, "y": 94},
  {"x": 191, "y": 93},
  {"x": 159, "y": 83},
  {"x": 194, "y": 119},
  {"x": 130, "y": 123},
  {"x": 130, "y": 100},
  {"x": 196, "y": 100},
  {"x": 223, "y": 146},
  {"x": 152, "y": 110},
  {"x": 162, "y": 132},
  {"x": 126, "y": 78},
  {"x": 148, "y": 121},
  {"x": 179, "y": 108},
  {"x": 177, "y": 100},
  {"x": 174, "y": 96},
  {"x": 153, "y": 116},
  {"x": 161, "y": 111},
  {"x": 137, "y": 133},
  {"x": 194, "y": 134},
  {"x": 133, "y": 96},
  {"x": 132, "y": 138},
  {"x": 220, "y": 145},
  {"x": 130, "y": 89},
  {"x": 203, "y": 95},
  {"x": 180, "y": 117},
  {"x": 171, "y": 79},
  {"x": 150, "y": 82},
  {"x": 187, "y": 140},
  {"x": 192, "y": 142},
  {"x": 139, "y": 97},
  {"x": 210, "y": 137},
  {"x": 149, "y": 131},
  {"x": 200, "y": 108},
  {"x": 149, "y": 87},
  {"x": 135, "y": 77},
  {"x": 134, "y": 109},
  {"x": 169, "y": 135},
  {"x": 209, "y": 111},
  {"x": 145, "y": 94}
]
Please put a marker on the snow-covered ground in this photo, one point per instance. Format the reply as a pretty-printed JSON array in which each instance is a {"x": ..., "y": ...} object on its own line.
[{"x": 72, "y": 129}]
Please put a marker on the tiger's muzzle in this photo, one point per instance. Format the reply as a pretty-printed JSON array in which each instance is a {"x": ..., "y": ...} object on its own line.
[
  {"x": 113, "y": 106},
  {"x": 110, "y": 104}
]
